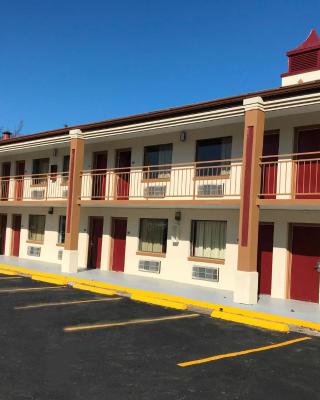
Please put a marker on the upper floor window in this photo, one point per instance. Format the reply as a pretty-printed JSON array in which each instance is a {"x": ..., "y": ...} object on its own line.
[
  {"x": 156, "y": 160},
  {"x": 40, "y": 167},
  {"x": 214, "y": 156},
  {"x": 153, "y": 235},
  {"x": 36, "y": 228},
  {"x": 208, "y": 239}
]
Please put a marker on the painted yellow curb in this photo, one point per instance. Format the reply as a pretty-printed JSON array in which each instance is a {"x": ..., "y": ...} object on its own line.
[
  {"x": 260, "y": 323},
  {"x": 159, "y": 302},
  {"x": 156, "y": 296},
  {"x": 5, "y": 272},
  {"x": 48, "y": 280},
  {"x": 93, "y": 289}
]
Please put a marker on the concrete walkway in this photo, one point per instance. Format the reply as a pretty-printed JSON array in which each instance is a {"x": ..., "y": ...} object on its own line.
[{"x": 286, "y": 308}]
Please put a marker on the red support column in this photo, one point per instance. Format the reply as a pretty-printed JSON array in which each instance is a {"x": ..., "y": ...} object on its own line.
[{"x": 246, "y": 282}]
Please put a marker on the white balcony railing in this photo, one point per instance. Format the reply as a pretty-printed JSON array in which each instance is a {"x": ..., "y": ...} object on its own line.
[
  {"x": 290, "y": 176},
  {"x": 40, "y": 187},
  {"x": 194, "y": 181}
]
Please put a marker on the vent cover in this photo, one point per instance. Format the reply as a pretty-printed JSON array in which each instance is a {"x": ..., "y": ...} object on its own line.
[
  {"x": 150, "y": 266},
  {"x": 304, "y": 61},
  {"x": 60, "y": 254},
  {"x": 37, "y": 194},
  {"x": 205, "y": 273},
  {"x": 155, "y": 191},
  {"x": 34, "y": 251},
  {"x": 211, "y": 190}
]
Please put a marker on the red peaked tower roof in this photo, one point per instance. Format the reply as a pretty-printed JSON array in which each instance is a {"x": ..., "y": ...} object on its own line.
[
  {"x": 305, "y": 57},
  {"x": 312, "y": 42}
]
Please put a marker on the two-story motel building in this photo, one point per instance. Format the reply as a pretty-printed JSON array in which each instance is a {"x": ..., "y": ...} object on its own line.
[{"x": 223, "y": 194}]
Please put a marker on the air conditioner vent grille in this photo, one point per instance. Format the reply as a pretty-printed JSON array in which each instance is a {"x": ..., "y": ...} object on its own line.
[
  {"x": 60, "y": 254},
  {"x": 34, "y": 251},
  {"x": 205, "y": 273},
  {"x": 150, "y": 266},
  {"x": 37, "y": 194},
  {"x": 211, "y": 190},
  {"x": 155, "y": 191}
]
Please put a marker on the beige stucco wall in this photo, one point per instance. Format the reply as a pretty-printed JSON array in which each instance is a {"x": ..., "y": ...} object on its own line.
[
  {"x": 54, "y": 189},
  {"x": 181, "y": 179},
  {"x": 49, "y": 248},
  {"x": 175, "y": 266}
]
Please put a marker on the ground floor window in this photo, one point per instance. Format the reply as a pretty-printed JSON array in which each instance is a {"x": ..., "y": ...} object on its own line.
[
  {"x": 208, "y": 239},
  {"x": 153, "y": 235},
  {"x": 36, "y": 227},
  {"x": 62, "y": 229}
]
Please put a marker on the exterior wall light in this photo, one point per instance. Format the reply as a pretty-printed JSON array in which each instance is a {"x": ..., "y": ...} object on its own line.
[
  {"x": 183, "y": 136},
  {"x": 177, "y": 216}
]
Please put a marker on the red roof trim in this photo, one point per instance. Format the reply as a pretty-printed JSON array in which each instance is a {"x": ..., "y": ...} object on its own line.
[{"x": 174, "y": 112}]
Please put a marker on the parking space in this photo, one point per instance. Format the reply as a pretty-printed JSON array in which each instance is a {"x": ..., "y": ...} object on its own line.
[{"x": 63, "y": 343}]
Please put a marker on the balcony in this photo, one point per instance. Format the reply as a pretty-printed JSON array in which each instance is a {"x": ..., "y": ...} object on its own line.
[
  {"x": 290, "y": 178},
  {"x": 34, "y": 188},
  {"x": 198, "y": 182}
]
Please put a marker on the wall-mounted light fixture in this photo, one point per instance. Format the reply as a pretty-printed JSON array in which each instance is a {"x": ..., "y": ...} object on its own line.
[
  {"x": 55, "y": 152},
  {"x": 50, "y": 210},
  {"x": 183, "y": 136},
  {"x": 177, "y": 215}
]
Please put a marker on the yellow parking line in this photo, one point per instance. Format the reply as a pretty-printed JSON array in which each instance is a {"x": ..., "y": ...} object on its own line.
[
  {"x": 13, "y": 290},
  {"x": 130, "y": 322},
  {"x": 242, "y": 353},
  {"x": 64, "y": 303},
  {"x": 10, "y": 277}
]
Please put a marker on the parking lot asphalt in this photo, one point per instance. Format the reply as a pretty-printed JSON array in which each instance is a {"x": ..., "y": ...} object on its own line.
[{"x": 62, "y": 343}]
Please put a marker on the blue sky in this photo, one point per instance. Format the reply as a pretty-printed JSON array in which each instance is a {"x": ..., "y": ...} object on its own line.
[{"x": 72, "y": 62}]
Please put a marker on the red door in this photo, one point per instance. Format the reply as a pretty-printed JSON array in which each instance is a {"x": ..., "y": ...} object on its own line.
[
  {"x": 270, "y": 167},
  {"x": 99, "y": 175},
  {"x": 123, "y": 174},
  {"x": 305, "y": 255},
  {"x": 5, "y": 180},
  {"x": 95, "y": 242},
  {"x": 3, "y": 229},
  {"x": 308, "y": 166},
  {"x": 119, "y": 234},
  {"x": 20, "y": 167},
  {"x": 16, "y": 229},
  {"x": 265, "y": 250}
]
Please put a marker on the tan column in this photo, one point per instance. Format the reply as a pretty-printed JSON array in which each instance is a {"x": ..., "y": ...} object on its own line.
[
  {"x": 246, "y": 284},
  {"x": 70, "y": 254}
]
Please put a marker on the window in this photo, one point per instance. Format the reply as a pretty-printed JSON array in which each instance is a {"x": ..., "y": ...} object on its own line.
[
  {"x": 65, "y": 169},
  {"x": 153, "y": 235},
  {"x": 208, "y": 239},
  {"x": 154, "y": 157},
  {"x": 62, "y": 229},
  {"x": 36, "y": 227},
  {"x": 213, "y": 150},
  {"x": 40, "y": 166}
]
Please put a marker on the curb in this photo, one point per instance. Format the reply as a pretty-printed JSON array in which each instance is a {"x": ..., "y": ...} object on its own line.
[
  {"x": 258, "y": 323},
  {"x": 159, "y": 302},
  {"x": 228, "y": 313}
]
